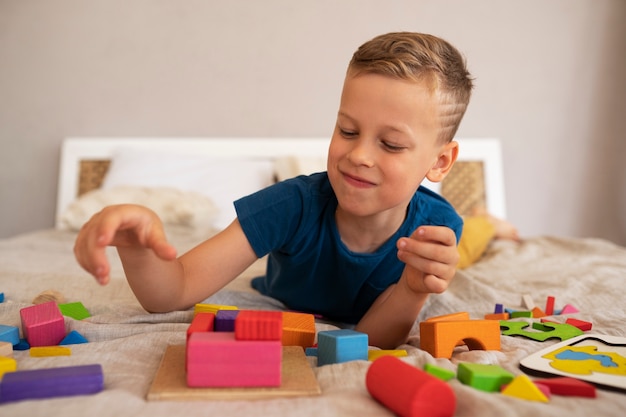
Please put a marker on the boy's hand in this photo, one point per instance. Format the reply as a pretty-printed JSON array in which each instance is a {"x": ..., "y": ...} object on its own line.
[
  {"x": 128, "y": 226},
  {"x": 431, "y": 256}
]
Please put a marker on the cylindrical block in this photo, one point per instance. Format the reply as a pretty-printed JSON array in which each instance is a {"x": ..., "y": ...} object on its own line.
[{"x": 407, "y": 390}]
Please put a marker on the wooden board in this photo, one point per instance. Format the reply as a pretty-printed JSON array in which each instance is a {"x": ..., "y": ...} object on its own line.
[{"x": 170, "y": 382}]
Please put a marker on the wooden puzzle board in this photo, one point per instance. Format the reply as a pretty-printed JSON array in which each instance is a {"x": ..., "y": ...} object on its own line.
[
  {"x": 170, "y": 381},
  {"x": 599, "y": 359}
]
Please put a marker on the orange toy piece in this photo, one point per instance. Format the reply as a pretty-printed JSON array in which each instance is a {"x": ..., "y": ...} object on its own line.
[
  {"x": 298, "y": 329},
  {"x": 407, "y": 390},
  {"x": 439, "y": 336}
]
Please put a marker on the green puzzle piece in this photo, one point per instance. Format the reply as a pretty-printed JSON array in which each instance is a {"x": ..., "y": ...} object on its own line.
[
  {"x": 488, "y": 378},
  {"x": 546, "y": 331}
]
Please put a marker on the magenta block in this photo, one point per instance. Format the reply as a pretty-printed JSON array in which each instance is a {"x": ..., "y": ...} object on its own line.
[
  {"x": 43, "y": 324},
  {"x": 216, "y": 359},
  {"x": 51, "y": 382}
]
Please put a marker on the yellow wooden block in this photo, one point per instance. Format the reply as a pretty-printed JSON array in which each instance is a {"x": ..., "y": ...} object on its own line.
[
  {"x": 7, "y": 365},
  {"x": 522, "y": 387},
  {"x": 41, "y": 351},
  {"x": 374, "y": 354},
  {"x": 211, "y": 308}
]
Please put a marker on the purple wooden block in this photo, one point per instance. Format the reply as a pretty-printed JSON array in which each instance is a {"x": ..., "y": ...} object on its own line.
[
  {"x": 225, "y": 320},
  {"x": 51, "y": 382}
]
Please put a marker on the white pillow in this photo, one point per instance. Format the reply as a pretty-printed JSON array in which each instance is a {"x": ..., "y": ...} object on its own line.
[
  {"x": 174, "y": 207},
  {"x": 292, "y": 166},
  {"x": 223, "y": 180}
]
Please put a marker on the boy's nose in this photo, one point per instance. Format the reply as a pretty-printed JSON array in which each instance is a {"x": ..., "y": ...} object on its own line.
[{"x": 361, "y": 153}]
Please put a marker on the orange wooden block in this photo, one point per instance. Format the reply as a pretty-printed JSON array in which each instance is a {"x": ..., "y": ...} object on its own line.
[
  {"x": 462, "y": 315},
  {"x": 497, "y": 316},
  {"x": 440, "y": 337},
  {"x": 538, "y": 313},
  {"x": 298, "y": 329}
]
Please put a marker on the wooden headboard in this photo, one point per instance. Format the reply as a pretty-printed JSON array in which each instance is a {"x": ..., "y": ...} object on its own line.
[{"x": 475, "y": 180}]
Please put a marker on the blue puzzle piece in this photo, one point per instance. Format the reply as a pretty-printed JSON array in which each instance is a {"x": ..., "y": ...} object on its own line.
[{"x": 337, "y": 346}]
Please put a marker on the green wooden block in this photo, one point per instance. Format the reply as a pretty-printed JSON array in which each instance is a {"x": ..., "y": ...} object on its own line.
[
  {"x": 439, "y": 372},
  {"x": 546, "y": 331},
  {"x": 483, "y": 377},
  {"x": 517, "y": 314},
  {"x": 74, "y": 310}
]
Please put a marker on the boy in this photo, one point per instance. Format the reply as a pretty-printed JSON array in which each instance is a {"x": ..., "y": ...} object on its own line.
[{"x": 362, "y": 243}]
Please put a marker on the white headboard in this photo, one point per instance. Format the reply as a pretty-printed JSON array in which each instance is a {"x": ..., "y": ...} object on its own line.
[{"x": 75, "y": 150}]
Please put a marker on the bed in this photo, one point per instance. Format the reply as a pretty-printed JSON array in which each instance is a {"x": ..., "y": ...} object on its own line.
[{"x": 190, "y": 182}]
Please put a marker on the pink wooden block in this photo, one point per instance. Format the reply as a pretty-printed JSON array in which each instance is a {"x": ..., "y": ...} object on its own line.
[
  {"x": 217, "y": 359},
  {"x": 43, "y": 324},
  {"x": 569, "y": 309}
]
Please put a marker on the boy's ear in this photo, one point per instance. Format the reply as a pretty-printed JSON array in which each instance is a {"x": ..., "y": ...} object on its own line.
[{"x": 445, "y": 161}]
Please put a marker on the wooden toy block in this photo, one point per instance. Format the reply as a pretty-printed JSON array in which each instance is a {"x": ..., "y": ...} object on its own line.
[
  {"x": 311, "y": 351},
  {"x": 43, "y": 324},
  {"x": 217, "y": 359},
  {"x": 6, "y": 349},
  {"x": 225, "y": 320},
  {"x": 538, "y": 313},
  {"x": 497, "y": 316},
  {"x": 489, "y": 378},
  {"x": 408, "y": 391},
  {"x": 527, "y": 301},
  {"x": 440, "y": 338},
  {"x": 298, "y": 329},
  {"x": 201, "y": 322},
  {"x": 51, "y": 382},
  {"x": 1, "y": 297},
  {"x": 7, "y": 365},
  {"x": 549, "y": 306},
  {"x": 546, "y": 330},
  {"x": 75, "y": 310},
  {"x": 498, "y": 309},
  {"x": 581, "y": 324},
  {"x": 569, "y": 309},
  {"x": 566, "y": 386},
  {"x": 462, "y": 315},
  {"x": 22, "y": 345},
  {"x": 521, "y": 314},
  {"x": 259, "y": 325},
  {"x": 439, "y": 372},
  {"x": 43, "y": 351},
  {"x": 212, "y": 308},
  {"x": 338, "y": 346},
  {"x": 374, "y": 354},
  {"x": 73, "y": 338},
  {"x": 522, "y": 387},
  {"x": 9, "y": 334}
]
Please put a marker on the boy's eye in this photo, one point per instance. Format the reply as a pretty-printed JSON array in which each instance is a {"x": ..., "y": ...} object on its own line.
[
  {"x": 392, "y": 147},
  {"x": 347, "y": 133}
]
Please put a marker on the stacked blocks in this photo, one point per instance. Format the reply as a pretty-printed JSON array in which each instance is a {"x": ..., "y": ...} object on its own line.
[
  {"x": 337, "y": 346},
  {"x": 440, "y": 335},
  {"x": 408, "y": 391},
  {"x": 249, "y": 356},
  {"x": 43, "y": 324}
]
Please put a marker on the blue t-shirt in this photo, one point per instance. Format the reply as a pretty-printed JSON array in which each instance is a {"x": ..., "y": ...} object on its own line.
[{"x": 309, "y": 268}]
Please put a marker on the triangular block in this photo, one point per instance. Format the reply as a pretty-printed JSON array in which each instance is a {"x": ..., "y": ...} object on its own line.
[
  {"x": 73, "y": 338},
  {"x": 569, "y": 387},
  {"x": 522, "y": 387},
  {"x": 569, "y": 309}
]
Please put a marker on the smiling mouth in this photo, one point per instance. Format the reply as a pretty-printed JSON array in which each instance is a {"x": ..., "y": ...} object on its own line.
[{"x": 357, "y": 181}]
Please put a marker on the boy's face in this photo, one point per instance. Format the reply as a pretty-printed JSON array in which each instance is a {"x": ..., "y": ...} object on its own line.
[{"x": 384, "y": 144}]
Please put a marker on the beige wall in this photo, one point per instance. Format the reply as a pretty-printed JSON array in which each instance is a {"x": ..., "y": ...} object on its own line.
[{"x": 550, "y": 77}]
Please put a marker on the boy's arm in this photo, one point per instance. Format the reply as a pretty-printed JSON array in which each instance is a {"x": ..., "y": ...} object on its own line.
[
  {"x": 430, "y": 255},
  {"x": 160, "y": 281}
]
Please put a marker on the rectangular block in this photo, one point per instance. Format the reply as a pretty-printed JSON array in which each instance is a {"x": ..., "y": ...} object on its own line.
[
  {"x": 298, "y": 329},
  {"x": 338, "y": 346},
  {"x": 259, "y": 325},
  {"x": 43, "y": 324},
  {"x": 202, "y": 322},
  {"x": 217, "y": 359},
  {"x": 43, "y": 351},
  {"x": 51, "y": 382},
  {"x": 212, "y": 308}
]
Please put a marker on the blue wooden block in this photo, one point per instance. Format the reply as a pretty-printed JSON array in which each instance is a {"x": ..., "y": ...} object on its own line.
[
  {"x": 73, "y": 338},
  {"x": 1, "y": 297},
  {"x": 9, "y": 334},
  {"x": 22, "y": 345},
  {"x": 225, "y": 320},
  {"x": 311, "y": 351},
  {"x": 337, "y": 346},
  {"x": 499, "y": 309},
  {"x": 51, "y": 382}
]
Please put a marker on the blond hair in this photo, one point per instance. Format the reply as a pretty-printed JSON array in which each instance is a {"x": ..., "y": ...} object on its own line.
[{"x": 421, "y": 58}]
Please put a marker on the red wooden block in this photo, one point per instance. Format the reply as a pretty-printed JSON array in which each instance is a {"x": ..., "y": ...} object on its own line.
[
  {"x": 407, "y": 390},
  {"x": 581, "y": 324},
  {"x": 568, "y": 387},
  {"x": 202, "y": 322},
  {"x": 549, "y": 306},
  {"x": 216, "y": 359},
  {"x": 43, "y": 324},
  {"x": 259, "y": 325}
]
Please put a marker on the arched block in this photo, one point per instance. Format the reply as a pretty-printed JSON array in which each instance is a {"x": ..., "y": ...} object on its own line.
[{"x": 439, "y": 338}]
